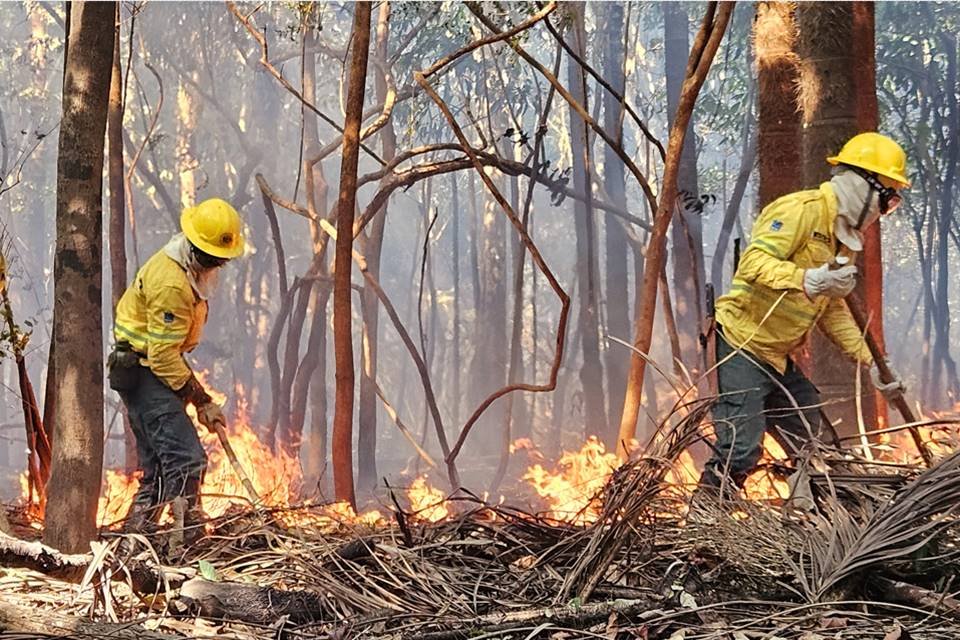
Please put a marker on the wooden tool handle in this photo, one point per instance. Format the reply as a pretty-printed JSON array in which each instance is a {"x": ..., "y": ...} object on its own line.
[
  {"x": 886, "y": 376},
  {"x": 217, "y": 426}
]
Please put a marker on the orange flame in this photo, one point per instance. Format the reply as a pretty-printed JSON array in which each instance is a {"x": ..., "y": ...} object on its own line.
[
  {"x": 571, "y": 489},
  {"x": 426, "y": 502}
]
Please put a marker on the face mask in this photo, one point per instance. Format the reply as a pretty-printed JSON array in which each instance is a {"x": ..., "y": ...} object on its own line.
[{"x": 205, "y": 260}]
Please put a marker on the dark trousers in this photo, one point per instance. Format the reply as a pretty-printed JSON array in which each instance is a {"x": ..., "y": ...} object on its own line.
[
  {"x": 170, "y": 454},
  {"x": 756, "y": 398}
]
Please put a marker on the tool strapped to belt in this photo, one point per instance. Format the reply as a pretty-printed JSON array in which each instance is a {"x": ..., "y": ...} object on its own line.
[{"x": 708, "y": 346}]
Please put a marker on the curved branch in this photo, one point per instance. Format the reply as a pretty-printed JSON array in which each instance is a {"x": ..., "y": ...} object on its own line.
[
  {"x": 452, "y": 474},
  {"x": 537, "y": 260}
]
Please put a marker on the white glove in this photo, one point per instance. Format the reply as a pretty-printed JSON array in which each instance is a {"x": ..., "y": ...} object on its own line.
[
  {"x": 836, "y": 283},
  {"x": 889, "y": 390}
]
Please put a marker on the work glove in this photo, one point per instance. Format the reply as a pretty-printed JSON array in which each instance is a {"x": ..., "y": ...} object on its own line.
[
  {"x": 834, "y": 283},
  {"x": 193, "y": 392},
  {"x": 891, "y": 389},
  {"x": 210, "y": 414}
]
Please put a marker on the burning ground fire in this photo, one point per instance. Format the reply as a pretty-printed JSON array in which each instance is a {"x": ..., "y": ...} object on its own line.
[{"x": 568, "y": 489}]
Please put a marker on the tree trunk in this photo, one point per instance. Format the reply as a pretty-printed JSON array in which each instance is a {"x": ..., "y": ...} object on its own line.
[
  {"x": 870, "y": 286},
  {"x": 828, "y": 72},
  {"x": 616, "y": 294},
  {"x": 342, "y": 304},
  {"x": 591, "y": 371},
  {"x": 778, "y": 119},
  {"x": 701, "y": 57},
  {"x": 77, "y": 314},
  {"x": 370, "y": 308},
  {"x": 455, "y": 224},
  {"x": 944, "y": 367},
  {"x": 118, "y": 250},
  {"x": 188, "y": 112},
  {"x": 687, "y": 231}
]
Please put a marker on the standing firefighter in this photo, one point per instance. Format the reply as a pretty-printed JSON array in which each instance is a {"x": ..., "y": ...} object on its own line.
[
  {"x": 789, "y": 280},
  {"x": 159, "y": 318}
]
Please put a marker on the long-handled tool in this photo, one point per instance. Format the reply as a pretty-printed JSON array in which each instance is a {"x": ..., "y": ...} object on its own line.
[
  {"x": 218, "y": 427},
  {"x": 886, "y": 377}
]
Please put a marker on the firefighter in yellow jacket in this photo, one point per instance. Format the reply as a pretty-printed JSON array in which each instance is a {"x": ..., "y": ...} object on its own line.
[
  {"x": 787, "y": 282},
  {"x": 159, "y": 318}
]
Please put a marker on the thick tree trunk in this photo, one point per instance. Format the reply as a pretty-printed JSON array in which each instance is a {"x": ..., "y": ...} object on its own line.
[
  {"x": 616, "y": 294},
  {"x": 342, "y": 303},
  {"x": 370, "y": 308},
  {"x": 687, "y": 228},
  {"x": 778, "y": 71},
  {"x": 77, "y": 314},
  {"x": 591, "y": 370},
  {"x": 828, "y": 73},
  {"x": 188, "y": 112}
]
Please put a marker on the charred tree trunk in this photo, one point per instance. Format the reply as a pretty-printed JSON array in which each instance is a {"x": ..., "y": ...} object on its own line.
[
  {"x": 77, "y": 314},
  {"x": 370, "y": 308},
  {"x": 342, "y": 304},
  {"x": 828, "y": 73},
  {"x": 616, "y": 294},
  {"x": 591, "y": 370},
  {"x": 778, "y": 72},
  {"x": 687, "y": 231}
]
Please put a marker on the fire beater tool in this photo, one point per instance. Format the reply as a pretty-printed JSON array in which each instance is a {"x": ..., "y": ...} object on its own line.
[
  {"x": 886, "y": 376},
  {"x": 218, "y": 427}
]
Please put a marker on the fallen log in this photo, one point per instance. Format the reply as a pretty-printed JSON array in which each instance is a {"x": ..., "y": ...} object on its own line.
[
  {"x": 15, "y": 618},
  {"x": 145, "y": 577},
  {"x": 906, "y": 593},
  {"x": 250, "y": 603},
  {"x": 569, "y": 617}
]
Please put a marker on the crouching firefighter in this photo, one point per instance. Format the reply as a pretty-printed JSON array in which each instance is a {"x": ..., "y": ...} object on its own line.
[
  {"x": 788, "y": 281},
  {"x": 159, "y": 318}
]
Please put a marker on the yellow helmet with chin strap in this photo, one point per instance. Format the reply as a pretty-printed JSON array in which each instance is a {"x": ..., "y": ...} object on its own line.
[
  {"x": 214, "y": 227},
  {"x": 875, "y": 153}
]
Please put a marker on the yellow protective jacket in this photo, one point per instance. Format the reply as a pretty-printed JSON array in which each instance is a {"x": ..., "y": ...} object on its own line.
[
  {"x": 766, "y": 311},
  {"x": 162, "y": 318}
]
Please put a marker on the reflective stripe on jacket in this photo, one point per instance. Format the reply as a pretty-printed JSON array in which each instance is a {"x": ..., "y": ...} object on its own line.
[
  {"x": 162, "y": 318},
  {"x": 792, "y": 234}
]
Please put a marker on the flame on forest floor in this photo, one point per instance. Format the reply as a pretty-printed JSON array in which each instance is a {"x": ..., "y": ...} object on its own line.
[
  {"x": 571, "y": 489},
  {"x": 277, "y": 477}
]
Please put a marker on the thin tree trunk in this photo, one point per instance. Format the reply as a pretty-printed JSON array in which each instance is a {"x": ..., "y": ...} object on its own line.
[
  {"x": 342, "y": 304},
  {"x": 591, "y": 371},
  {"x": 701, "y": 57},
  {"x": 614, "y": 181},
  {"x": 77, "y": 316},
  {"x": 687, "y": 232},
  {"x": 370, "y": 309},
  {"x": 118, "y": 250},
  {"x": 870, "y": 287},
  {"x": 455, "y": 223}
]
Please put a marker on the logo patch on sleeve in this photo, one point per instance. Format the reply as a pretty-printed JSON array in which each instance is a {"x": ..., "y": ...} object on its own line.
[
  {"x": 776, "y": 225},
  {"x": 168, "y": 317}
]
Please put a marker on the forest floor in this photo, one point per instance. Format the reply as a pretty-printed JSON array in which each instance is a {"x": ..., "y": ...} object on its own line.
[{"x": 866, "y": 549}]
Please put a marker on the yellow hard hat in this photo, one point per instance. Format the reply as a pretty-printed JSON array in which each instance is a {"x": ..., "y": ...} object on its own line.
[
  {"x": 214, "y": 227},
  {"x": 876, "y": 153}
]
